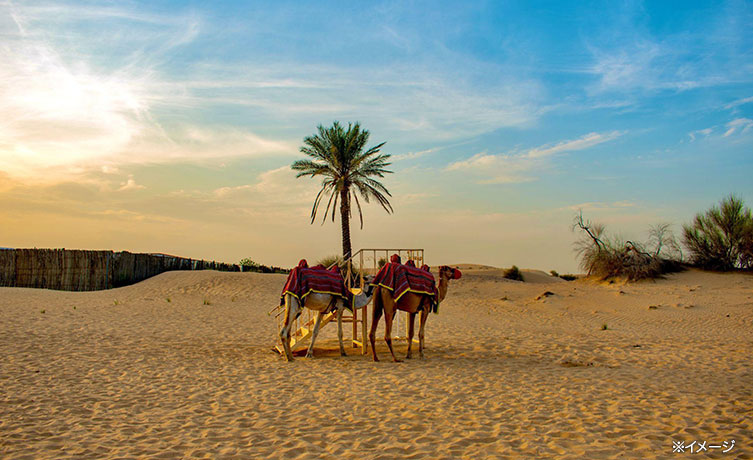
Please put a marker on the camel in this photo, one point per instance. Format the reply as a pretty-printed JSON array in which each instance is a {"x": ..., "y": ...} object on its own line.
[
  {"x": 322, "y": 304},
  {"x": 411, "y": 303}
]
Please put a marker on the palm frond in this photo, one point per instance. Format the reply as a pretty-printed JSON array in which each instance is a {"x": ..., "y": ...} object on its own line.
[
  {"x": 358, "y": 205},
  {"x": 309, "y": 168},
  {"x": 316, "y": 202},
  {"x": 334, "y": 206},
  {"x": 329, "y": 203}
]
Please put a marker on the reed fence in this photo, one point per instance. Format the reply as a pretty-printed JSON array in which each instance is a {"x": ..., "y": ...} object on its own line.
[{"x": 79, "y": 270}]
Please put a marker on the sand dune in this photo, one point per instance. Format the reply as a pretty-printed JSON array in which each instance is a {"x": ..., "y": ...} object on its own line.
[{"x": 179, "y": 366}]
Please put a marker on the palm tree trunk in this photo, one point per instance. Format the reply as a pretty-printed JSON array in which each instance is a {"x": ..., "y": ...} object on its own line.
[{"x": 345, "y": 222}]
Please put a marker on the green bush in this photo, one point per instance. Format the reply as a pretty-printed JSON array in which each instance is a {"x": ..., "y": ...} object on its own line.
[
  {"x": 722, "y": 237},
  {"x": 554, "y": 273},
  {"x": 248, "y": 265},
  {"x": 513, "y": 273}
]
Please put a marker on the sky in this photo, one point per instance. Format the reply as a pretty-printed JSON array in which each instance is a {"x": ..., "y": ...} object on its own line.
[{"x": 171, "y": 126}]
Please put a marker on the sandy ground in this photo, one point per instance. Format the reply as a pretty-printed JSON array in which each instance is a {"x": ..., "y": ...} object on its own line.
[{"x": 179, "y": 366}]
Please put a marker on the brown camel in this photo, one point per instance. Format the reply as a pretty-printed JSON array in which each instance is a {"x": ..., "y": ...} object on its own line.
[{"x": 411, "y": 303}]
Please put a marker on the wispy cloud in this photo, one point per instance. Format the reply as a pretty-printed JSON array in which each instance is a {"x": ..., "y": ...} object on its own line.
[
  {"x": 130, "y": 184},
  {"x": 589, "y": 140},
  {"x": 277, "y": 185},
  {"x": 632, "y": 58},
  {"x": 67, "y": 113},
  {"x": 414, "y": 155},
  {"x": 740, "y": 125},
  {"x": 592, "y": 206},
  {"x": 649, "y": 66},
  {"x": 739, "y": 102},
  {"x": 702, "y": 132},
  {"x": 63, "y": 114},
  {"x": 412, "y": 101},
  {"x": 517, "y": 167}
]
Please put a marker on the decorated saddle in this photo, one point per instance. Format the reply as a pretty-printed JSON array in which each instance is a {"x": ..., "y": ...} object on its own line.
[
  {"x": 401, "y": 278},
  {"x": 303, "y": 280}
]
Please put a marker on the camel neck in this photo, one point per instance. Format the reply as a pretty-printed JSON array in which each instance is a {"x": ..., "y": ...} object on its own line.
[{"x": 443, "y": 282}]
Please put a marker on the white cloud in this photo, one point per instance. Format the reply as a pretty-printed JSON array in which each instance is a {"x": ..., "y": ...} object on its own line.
[
  {"x": 703, "y": 132},
  {"x": 589, "y": 140},
  {"x": 517, "y": 167},
  {"x": 413, "y": 155},
  {"x": 742, "y": 125},
  {"x": 739, "y": 102},
  {"x": 130, "y": 184},
  {"x": 627, "y": 68},
  {"x": 279, "y": 183},
  {"x": 601, "y": 206}
]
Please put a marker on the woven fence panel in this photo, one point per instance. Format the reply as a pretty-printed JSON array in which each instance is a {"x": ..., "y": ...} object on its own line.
[
  {"x": 80, "y": 270},
  {"x": 122, "y": 265},
  {"x": 7, "y": 267}
]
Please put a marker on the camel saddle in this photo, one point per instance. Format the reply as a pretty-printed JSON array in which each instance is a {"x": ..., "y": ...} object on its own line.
[
  {"x": 303, "y": 280},
  {"x": 402, "y": 278}
]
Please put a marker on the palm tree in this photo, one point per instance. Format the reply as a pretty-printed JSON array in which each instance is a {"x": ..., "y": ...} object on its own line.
[{"x": 338, "y": 155}]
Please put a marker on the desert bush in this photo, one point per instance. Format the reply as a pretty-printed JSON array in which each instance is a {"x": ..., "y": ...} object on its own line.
[
  {"x": 722, "y": 237},
  {"x": 513, "y": 273},
  {"x": 606, "y": 258},
  {"x": 382, "y": 262},
  {"x": 249, "y": 265},
  {"x": 566, "y": 277}
]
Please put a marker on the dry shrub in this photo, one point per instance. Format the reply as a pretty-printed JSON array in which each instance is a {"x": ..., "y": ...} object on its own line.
[{"x": 606, "y": 258}]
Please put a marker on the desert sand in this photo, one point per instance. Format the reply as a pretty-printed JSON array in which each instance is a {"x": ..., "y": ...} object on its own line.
[{"x": 180, "y": 366}]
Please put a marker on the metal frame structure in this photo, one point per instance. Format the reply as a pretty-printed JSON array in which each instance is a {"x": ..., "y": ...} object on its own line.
[{"x": 362, "y": 263}]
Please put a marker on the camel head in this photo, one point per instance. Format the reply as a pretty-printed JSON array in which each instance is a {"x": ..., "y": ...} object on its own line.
[
  {"x": 363, "y": 299},
  {"x": 448, "y": 273}
]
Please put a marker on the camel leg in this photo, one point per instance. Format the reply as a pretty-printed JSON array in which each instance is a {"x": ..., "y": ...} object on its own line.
[
  {"x": 411, "y": 325},
  {"x": 310, "y": 352},
  {"x": 389, "y": 316},
  {"x": 376, "y": 315},
  {"x": 424, "y": 317},
  {"x": 340, "y": 311},
  {"x": 291, "y": 312}
]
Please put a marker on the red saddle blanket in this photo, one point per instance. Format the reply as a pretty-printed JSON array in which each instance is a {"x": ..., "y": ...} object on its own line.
[
  {"x": 303, "y": 281},
  {"x": 400, "y": 279}
]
